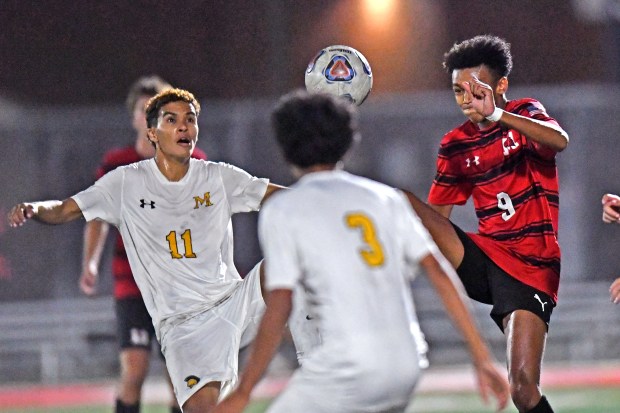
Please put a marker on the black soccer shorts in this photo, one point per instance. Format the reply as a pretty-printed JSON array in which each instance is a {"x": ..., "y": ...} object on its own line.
[
  {"x": 487, "y": 283},
  {"x": 134, "y": 324}
]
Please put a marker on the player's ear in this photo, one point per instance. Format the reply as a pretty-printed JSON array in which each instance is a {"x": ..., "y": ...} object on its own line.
[
  {"x": 151, "y": 135},
  {"x": 502, "y": 85}
]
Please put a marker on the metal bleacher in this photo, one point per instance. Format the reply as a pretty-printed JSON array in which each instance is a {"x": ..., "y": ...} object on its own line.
[
  {"x": 75, "y": 339},
  {"x": 57, "y": 340},
  {"x": 585, "y": 327}
]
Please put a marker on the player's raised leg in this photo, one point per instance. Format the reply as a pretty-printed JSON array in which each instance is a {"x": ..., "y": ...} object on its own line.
[{"x": 440, "y": 228}]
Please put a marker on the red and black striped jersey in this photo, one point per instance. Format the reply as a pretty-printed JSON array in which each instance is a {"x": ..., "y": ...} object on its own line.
[
  {"x": 124, "y": 283},
  {"x": 514, "y": 186}
]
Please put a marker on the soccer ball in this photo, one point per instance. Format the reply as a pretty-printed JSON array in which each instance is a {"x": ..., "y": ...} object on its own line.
[{"x": 341, "y": 71}]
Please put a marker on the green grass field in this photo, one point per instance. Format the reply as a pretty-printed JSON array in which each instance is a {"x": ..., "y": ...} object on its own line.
[{"x": 573, "y": 400}]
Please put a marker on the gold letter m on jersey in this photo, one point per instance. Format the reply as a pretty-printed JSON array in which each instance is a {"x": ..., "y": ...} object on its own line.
[{"x": 206, "y": 200}]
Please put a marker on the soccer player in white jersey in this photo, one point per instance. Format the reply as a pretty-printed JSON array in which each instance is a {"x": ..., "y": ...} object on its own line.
[
  {"x": 350, "y": 242},
  {"x": 174, "y": 214}
]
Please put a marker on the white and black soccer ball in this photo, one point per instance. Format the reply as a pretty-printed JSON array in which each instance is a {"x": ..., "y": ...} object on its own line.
[{"x": 342, "y": 71}]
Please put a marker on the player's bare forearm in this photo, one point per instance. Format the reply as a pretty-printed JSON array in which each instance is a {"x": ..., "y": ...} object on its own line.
[
  {"x": 452, "y": 293},
  {"x": 95, "y": 235},
  {"x": 272, "y": 326},
  {"x": 48, "y": 212},
  {"x": 538, "y": 131},
  {"x": 491, "y": 382}
]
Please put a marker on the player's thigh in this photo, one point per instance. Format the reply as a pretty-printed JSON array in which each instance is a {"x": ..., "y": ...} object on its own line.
[
  {"x": 199, "y": 351},
  {"x": 510, "y": 295},
  {"x": 205, "y": 348},
  {"x": 473, "y": 269},
  {"x": 250, "y": 304}
]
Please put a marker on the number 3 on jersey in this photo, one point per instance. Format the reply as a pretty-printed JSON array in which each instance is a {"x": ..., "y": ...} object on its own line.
[
  {"x": 186, "y": 236},
  {"x": 373, "y": 255}
]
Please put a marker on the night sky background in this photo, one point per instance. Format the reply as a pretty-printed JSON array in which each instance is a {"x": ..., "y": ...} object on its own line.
[{"x": 74, "y": 53}]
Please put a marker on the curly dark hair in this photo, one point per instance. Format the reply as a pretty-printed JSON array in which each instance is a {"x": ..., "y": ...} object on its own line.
[
  {"x": 165, "y": 97},
  {"x": 314, "y": 128},
  {"x": 491, "y": 51}
]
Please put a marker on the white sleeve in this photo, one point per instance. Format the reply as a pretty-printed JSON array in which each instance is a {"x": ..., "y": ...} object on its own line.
[
  {"x": 244, "y": 191},
  {"x": 282, "y": 264},
  {"x": 103, "y": 199}
]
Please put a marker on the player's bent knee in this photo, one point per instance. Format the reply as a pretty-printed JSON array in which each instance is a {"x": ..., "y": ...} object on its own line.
[
  {"x": 204, "y": 400},
  {"x": 524, "y": 394}
]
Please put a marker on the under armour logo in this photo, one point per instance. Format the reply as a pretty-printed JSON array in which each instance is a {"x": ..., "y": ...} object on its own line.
[
  {"x": 476, "y": 161},
  {"x": 540, "y": 301},
  {"x": 143, "y": 203}
]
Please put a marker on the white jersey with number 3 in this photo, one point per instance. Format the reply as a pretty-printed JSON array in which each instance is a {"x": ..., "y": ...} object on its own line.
[
  {"x": 349, "y": 242},
  {"x": 178, "y": 235}
]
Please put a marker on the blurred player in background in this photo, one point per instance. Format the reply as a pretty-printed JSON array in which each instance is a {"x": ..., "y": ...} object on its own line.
[
  {"x": 174, "y": 214},
  {"x": 611, "y": 214},
  {"x": 503, "y": 157},
  {"x": 351, "y": 242},
  {"x": 134, "y": 324}
]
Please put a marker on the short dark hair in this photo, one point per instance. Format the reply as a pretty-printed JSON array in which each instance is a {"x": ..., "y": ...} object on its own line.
[
  {"x": 491, "y": 51},
  {"x": 144, "y": 86},
  {"x": 313, "y": 128},
  {"x": 165, "y": 97}
]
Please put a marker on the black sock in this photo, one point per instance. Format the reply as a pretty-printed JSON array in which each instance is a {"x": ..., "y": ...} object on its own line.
[
  {"x": 127, "y": 408},
  {"x": 175, "y": 409},
  {"x": 543, "y": 406}
]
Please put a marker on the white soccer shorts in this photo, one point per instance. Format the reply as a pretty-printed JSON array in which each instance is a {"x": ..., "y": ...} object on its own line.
[{"x": 205, "y": 348}]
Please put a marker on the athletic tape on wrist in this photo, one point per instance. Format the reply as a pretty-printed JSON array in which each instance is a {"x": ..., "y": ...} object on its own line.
[{"x": 497, "y": 113}]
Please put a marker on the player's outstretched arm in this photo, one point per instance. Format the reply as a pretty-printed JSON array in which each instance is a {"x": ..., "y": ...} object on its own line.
[
  {"x": 491, "y": 382},
  {"x": 543, "y": 133},
  {"x": 272, "y": 327},
  {"x": 48, "y": 212},
  {"x": 611, "y": 208}
]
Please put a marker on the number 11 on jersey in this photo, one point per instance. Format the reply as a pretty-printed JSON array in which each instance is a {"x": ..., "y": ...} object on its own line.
[{"x": 186, "y": 236}]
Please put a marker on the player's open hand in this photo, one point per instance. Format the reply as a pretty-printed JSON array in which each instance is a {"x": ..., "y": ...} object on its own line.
[
  {"x": 493, "y": 383},
  {"x": 611, "y": 208},
  {"x": 482, "y": 99},
  {"x": 19, "y": 214},
  {"x": 614, "y": 291},
  {"x": 234, "y": 403}
]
